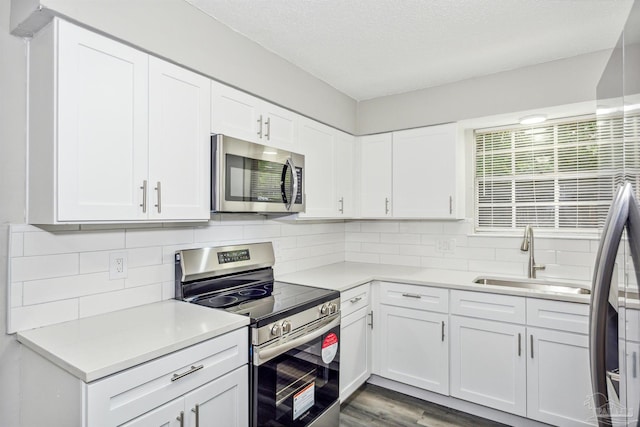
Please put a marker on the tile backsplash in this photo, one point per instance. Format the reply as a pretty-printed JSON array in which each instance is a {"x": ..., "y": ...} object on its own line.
[{"x": 62, "y": 273}]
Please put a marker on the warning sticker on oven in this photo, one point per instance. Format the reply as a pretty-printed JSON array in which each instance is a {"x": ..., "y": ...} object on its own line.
[
  {"x": 303, "y": 400},
  {"x": 329, "y": 348}
]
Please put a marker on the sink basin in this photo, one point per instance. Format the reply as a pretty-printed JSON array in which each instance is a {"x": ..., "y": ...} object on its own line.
[{"x": 541, "y": 285}]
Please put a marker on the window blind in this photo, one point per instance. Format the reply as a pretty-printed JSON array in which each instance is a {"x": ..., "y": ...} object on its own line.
[{"x": 557, "y": 176}]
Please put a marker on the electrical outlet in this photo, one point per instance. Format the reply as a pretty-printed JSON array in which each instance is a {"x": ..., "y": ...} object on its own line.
[
  {"x": 117, "y": 265},
  {"x": 446, "y": 245}
]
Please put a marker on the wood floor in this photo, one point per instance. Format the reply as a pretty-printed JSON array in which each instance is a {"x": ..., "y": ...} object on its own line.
[{"x": 373, "y": 406}]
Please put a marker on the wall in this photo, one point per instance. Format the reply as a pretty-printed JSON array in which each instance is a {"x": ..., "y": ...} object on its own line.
[
  {"x": 176, "y": 30},
  {"x": 561, "y": 82},
  {"x": 63, "y": 274},
  {"x": 12, "y": 196},
  {"x": 417, "y": 243}
]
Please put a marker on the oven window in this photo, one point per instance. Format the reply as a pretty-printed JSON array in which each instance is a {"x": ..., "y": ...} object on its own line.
[
  {"x": 253, "y": 180},
  {"x": 297, "y": 386}
]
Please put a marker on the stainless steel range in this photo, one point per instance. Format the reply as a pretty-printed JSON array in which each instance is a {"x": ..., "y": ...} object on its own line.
[{"x": 295, "y": 331}]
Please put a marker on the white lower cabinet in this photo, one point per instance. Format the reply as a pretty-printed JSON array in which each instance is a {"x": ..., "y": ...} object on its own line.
[
  {"x": 204, "y": 384},
  {"x": 412, "y": 343},
  {"x": 355, "y": 336},
  {"x": 488, "y": 364}
]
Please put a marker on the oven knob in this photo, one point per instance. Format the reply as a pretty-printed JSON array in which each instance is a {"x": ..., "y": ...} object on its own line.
[
  {"x": 333, "y": 308},
  {"x": 286, "y": 327},
  {"x": 275, "y": 330},
  {"x": 324, "y": 309}
]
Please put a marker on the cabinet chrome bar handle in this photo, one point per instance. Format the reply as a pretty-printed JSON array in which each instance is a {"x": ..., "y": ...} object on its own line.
[
  {"x": 519, "y": 344},
  {"x": 193, "y": 369},
  {"x": 267, "y": 133},
  {"x": 144, "y": 196},
  {"x": 260, "y": 127},
  {"x": 196, "y": 411},
  {"x": 159, "y": 190},
  {"x": 371, "y": 317},
  {"x": 341, "y": 201},
  {"x": 412, "y": 296},
  {"x": 386, "y": 205},
  {"x": 443, "y": 331},
  {"x": 531, "y": 336},
  {"x": 450, "y": 205},
  {"x": 634, "y": 361},
  {"x": 181, "y": 418},
  {"x": 355, "y": 300}
]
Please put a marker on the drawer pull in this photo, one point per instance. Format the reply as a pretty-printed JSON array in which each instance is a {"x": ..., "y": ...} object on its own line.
[
  {"x": 412, "y": 296},
  {"x": 355, "y": 300},
  {"x": 193, "y": 369}
]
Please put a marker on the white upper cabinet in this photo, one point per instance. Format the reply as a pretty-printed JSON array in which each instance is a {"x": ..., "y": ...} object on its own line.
[
  {"x": 345, "y": 177},
  {"x": 243, "y": 116},
  {"x": 428, "y": 167},
  {"x": 375, "y": 175},
  {"x": 317, "y": 145},
  {"x": 106, "y": 127},
  {"x": 179, "y": 142}
]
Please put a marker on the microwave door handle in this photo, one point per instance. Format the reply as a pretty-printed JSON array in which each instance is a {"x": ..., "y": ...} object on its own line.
[
  {"x": 294, "y": 183},
  {"x": 603, "y": 272},
  {"x": 282, "y": 181}
]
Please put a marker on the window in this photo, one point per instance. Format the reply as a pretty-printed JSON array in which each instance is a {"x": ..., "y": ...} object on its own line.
[{"x": 556, "y": 176}]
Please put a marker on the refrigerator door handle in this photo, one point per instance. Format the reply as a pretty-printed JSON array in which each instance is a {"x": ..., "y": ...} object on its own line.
[{"x": 602, "y": 275}]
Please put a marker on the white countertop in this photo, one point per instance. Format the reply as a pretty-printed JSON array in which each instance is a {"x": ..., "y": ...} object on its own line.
[
  {"x": 94, "y": 347},
  {"x": 346, "y": 275}
]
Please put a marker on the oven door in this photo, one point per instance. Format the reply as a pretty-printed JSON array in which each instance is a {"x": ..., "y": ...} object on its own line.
[
  {"x": 295, "y": 379},
  {"x": 250, "y": 177}
]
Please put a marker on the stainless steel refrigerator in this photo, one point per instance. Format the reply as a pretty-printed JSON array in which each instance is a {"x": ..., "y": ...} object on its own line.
[{"x": 614, "y": 324}]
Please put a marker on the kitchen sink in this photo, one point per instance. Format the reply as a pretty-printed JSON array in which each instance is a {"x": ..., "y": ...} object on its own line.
[{"x": 536, "y": 284}]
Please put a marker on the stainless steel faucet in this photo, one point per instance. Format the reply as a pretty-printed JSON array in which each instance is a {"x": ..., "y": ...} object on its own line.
[{"x": 527, "y": 245}]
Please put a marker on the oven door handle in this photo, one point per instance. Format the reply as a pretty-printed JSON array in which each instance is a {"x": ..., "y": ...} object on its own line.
[{"x": 264, "y": 355}]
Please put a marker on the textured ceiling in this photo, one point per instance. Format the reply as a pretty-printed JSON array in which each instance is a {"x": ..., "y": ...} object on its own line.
[{"x": 372, "y": 48}]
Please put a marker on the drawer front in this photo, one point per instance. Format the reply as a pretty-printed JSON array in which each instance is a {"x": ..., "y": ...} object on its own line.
[
  {"x": 503, "y": 308},
  {"x": 415, "y": 296},
  {"x": 128, "y": 394},
  {"x": 354, "y": 299},
  {"x": 563, "y": 316}
]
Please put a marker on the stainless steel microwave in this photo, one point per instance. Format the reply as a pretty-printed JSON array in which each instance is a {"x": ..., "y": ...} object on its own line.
[{"x": 248, "y": 177}]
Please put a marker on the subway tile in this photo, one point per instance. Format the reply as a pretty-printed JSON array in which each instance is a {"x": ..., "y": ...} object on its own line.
[
  {"x": 575, "y": 258},
  {"x": 328, "y": 227},
  {"x": 458, "y": 227},
  {"x": 572, "y": 245},
  {"x": 43, "y": 267},
  {"x": 406, "y": 238},
  {"x": 362, "y": 237},
  {"x": 218, "y": 233},
  {"x": 16, "y": 294},
  {"x": 68, "y": 242},
  {"x": 168, "y": 290},
  {"x": 362, "y": 257},
  {"x": 17, "y": 244},
  {"x": 35, "y": 316},
  {"x": 472, "y": 253},
  {"x": 239, "y": 219},
  {"x": 291, "y": 254},
  {"x": 352, "y": 226},
  {"x": 380, "y": 248},
  {"x": 379, "y": 227},
  {"x": 570, "y": 272},
  {"x": 261, "y": 231},
  {"x": 421, "y": 227},
  {"x": 284, "y": 267},
  {"x": 478, "y": 241},
  {"x": 352, "y": 246},
  {"x": 411, "y": 261},
  {"x": 285, "y": 243},
  {"x": 111, "y": 301},
  {"x": 319, "y": 239},
  {"x": 158, "y": 237},
  {"x": 326, "y": 249},
  {"x": 419, "y": 250},
  {"x": 94, "y": 262},
  {"x": 516, "y": 255},
  {"x": 142, "y": 276},
  {"x": 296, "y": 229},
  {"x": 63, "y": 288},
  {"x": 142, "y": 257},
  {"x": 307, "y": 263}
]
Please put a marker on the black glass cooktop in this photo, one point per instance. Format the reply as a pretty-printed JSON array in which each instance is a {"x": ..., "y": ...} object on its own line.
[{"x": 266, "y": 302}]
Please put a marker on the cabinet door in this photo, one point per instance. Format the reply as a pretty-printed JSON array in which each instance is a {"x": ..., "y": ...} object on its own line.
[
  {"x": 558, "y": 378},
  {"x": 279, "y": 127},
  {"x": 167, "y": 415},
  {"x": 222, "y": 402},
  {"x": 344, "y": 152},
  {"x": 179, "y": 143},
  {"x": 316, "y": 142},
  {"x": 355, "y": 354},
  {"x": 375, "y": 176},
  {"x": 414, "y": 348},
  {"x": 488, "y": 363},
  {"x": 101, "y": 127},
  {"x": 424, "y": 172},
  {"x": 235, "y": 113}
]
